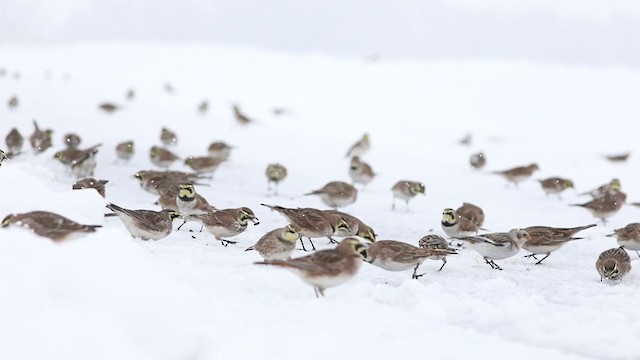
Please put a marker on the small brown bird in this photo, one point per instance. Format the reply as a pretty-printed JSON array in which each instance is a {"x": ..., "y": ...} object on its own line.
[
  {"x": 606, "y": 206},
  {"x": 555, "y": 185},
  {"x": 472, "y": 212},
  {"x": 406, "y": 190},
  {"x": 478, "y": 160},
  {"x": 125, "y": 150},
  {"x": 191, "y": 203},
  {"x": 518, "y": 174},
  {"x": 203, "y": 164},
  {"x": 72, "y": 140},
  {"x": 497, "y": 246},
  {"x": 40, "y": 140},
  {"x": 219, "y": 150},
  {"x": 227, "y": 223},
  {"x": 13, "y": 102},
  {"x": 435, "y": 242},
  {"x": 360, "y": 172},
  {"x": 628, "y": 237},
  {"x": 14, "y": 141},
  {"x": 50, "y": 225},
  {"x": 203, "y": 108},
  {"x": 360, "y": 147},
  {"x": 168, "y": 137},
  {"x": 613, "y": 264},
  {"x": 73, "y": 156},
  {"x": 91, "y": 183},
  {"x": 547, "y": 239},
  {"x": 108, "y": 107},
  {"x": 326, "y": 268},
  {"x": 146, "y": 224},
  {"x": 151, "y": 181},
  {"x": 162, "y": 157},
  {"x": 277, "y": 244},
  {"x": 618, "y": 157},
  {"x": 241, "y": 118},
  {"x": 611, "y": 188},
  {"x": 356, "y": 227},
  {"x": 336, "y": 194},
  {"x": 394, "y": 255},
  {"x": 455, "y": 225},
  {"x": 275, "y": 174}
]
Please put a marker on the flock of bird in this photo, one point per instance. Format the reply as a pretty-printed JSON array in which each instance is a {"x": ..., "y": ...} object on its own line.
[{"x": 322, "y": 269}]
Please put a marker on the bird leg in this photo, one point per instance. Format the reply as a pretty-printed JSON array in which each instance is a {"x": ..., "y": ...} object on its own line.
[
  {"x": 393, "y": 204},
  {"x": 415, "y": 275},
  {"x": 539, "y": 261},
  {"x": 332, "y": 240},
  {"x": 638, "y": 253},
  {"x": 183, "y": 222},
  {"x": 319, "y": 291},
  {"x": 225, "y": 242},
  {"x": 444, "y": 262},
  {"x": 312, "y": 246},
  {"x": 302, "y": 242},
  {"x": 530, "y": 255},
  {"x": 492, "y": 264}
]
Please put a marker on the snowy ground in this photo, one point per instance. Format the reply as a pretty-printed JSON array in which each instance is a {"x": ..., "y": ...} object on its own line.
[{"x": 107, "y": 296}]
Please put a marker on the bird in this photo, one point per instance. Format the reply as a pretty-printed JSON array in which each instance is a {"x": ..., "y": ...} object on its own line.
[
  {"x": 555, "y": 185},
  {"x": 191, "y": 203},
  {"x": 50, "y": 225},
  {"x": 277, "y": 244},
  {"x": 336, "y": 194},
  {"x": 3, "y": 157},
  {"x": 146, "y": 224},
  {"x": 227, "y": 222},
  {"x": 393, "y": 255},
  {"x": 162, "y": 157},
  {"x": 14, "y": 141},
  {"x": 618, "y": 157},
  {"x": 275, "y": 174},
  {"x": 169, "y": 88},
  {"x": 466, "y": 140},
  {"x": 168, "y": 137},
  {"x": 518, "y": 174},
  {"x": 478, "y": 160},
  {"x": 355, "y": 226},
  {"x": 240, "y": 117},
  {"x": 108, "y": 107},
  {"x": 203, "y": 108},
  {"x": 360, "y": 172},
  {"x": 311, "y": 223},
  {"x": 203, "y": 164},
  {"x": 606, "y": 206},
  {"x": 219, "y": 150},
  {"x": 433, "y": 241},
  {"x": 131, "y": 94},
  {"x": 325, "y": 268},
  {"x": 70, "y": 156},
  {"x": 497, "y": 246},
  {"x": 13, "y": 102},
  {"x": 628, "y": 237},
  {"x": 91, "y": 183},
  {"x": 610, "y": 188},
  {"x": 151, "y": 180},
  {"x": 72, "y": 140},
  {"x": 472, "y": 212},
  {"x": 406, "y": 190},
  {"x": 125, "y": 150},
  {"x": 360, "y": 147},
  {"x": 40, "y": 139},
  {"x": 613, "y": 264},
  {"x": 547, "y": 239},
  {"x": 455, "y": 225}
]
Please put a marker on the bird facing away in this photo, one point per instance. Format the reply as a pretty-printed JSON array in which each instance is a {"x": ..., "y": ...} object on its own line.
[
  {"x": 50, "y": 225},
  {"x": 325, "y": 268},
  {"x": 555, "y": 185},
  {"x": 472, "y": 212},
  {"x": 162, "y": 157},
  {"x": 478, "y": 160},
  {"x": 606, "y": 206},
  {"x": 146, "y": 224},
  {"x": 613, "y": 264},
  {"x": 277, "y": 244},
  {"x": 191, "y": 203},
  {"x": 518, "y": 174},
  {"x": 125, "y": 150},
  {"x": 394, "y": 255},
  {"x": 14, "y": 141},
  {"x": 336, "y": 194},
  {"x": 497, "y": 246},
  {"x": 360, "y": 172},
  {"x": 406, "y": 190},
  {"x": 40, "y": 139},
  {"x": 240, "y": 117},
  {"x": 628, "y": 237},
  {"x": 360, "y": 147},
  {"x": 547, "y": 239},
  {"x": 72, "y": 140},
  {"x": 91, "y": 183},
  {"x": 168, "y": 137},
  {"x": 227, "y": 223},
  {"x": 432, "y": 242},
  {"x": 275, "y": 174}
]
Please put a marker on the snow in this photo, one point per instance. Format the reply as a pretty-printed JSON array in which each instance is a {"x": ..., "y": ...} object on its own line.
[{"x": 107, "y": 296}]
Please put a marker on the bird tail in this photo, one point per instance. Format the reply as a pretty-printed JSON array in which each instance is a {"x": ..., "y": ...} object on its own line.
[
  {"x": 281, "y": 263},
  {"x": 115, "y": 208},
  {"x": 250, "y": 248}
]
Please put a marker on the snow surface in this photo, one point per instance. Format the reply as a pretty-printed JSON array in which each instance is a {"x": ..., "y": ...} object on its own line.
[{"x": 106, "y": 296}]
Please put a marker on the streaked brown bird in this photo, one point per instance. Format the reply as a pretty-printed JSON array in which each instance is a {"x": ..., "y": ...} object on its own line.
[
  {"x": 125, "y": 150},
  {"x": 276, "y": 173},
  {"x": 227, "y": 223},
  {"x": 547, "y": 239},
  {"x": 555, "y": 185},
  {"x": 91, "y": 183},
  {"x": 40, "y": 139},
  {"x": 146, "y": 224},
  {"x": 432, "y": 242},
  {"x": 472, "y": 212},
  {"x": 14, "y": 141},
  {"x": 360, "y": 172},
  {"x": 168, "y": 137},
  {"x": 360, "y": 147},
  {"x": 628, "y": 237},
  {"x": 50, "y": 225},
  {"x": 203, "y": 164},
  {"x": 240, "y": 117},
  {"x": 72, "y": 140},
  {"x": 219, "y": 150},
  {"x": 606, "y": 206},
  {"x": 162, "y": 157},
  {"x": 518, "y": 174},
  {"x": 336, "y": 194},
  {"x": 406, "y": 190},
  {"x": 613, "y": 264},
  {"x": 477, "y": 160}
]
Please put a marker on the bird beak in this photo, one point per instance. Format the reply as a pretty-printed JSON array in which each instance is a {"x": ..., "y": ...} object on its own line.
[{"x": 255, "y": 221}]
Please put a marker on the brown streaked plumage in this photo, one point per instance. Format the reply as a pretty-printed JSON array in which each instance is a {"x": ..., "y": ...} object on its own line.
[
  {"x": 360, "y": 147},
  {"x": 219, "y": 150},
  {"x": 50, "y": 225},
  {"x": 628, "y": 237},
  {"x": 189, "y": 203},
  {"x": 72, "y": 156},
  {"x": 336, "y": 194},
  {"x": 356, "y": 227},
  {"x": 91, "y": 183},
  {"x": 277, "y": 244},
  {"x": 326, "y": 268},
  {"x": 168, "y": 137},
  {"x": 555, "y": 185},
  {"x": 547, "y": 239},
  {"x": 275, "y": 174},
  {"x": 14, "y": 141},
  {"x": 227, "y": 223},
  {"x": 151, "y": 180},
  {"x": 360, "y": 172},
  {"x": 497, "y": 246},
  {"x": 613, "y": 264},
  {"x": 478, "y": 160},
  {"x": 40, "y": 139},
  {"x": 406, "y": 190},
  {"x": 455, "y": 225},
  {"x": 518, "y": 174},
  {"x": 606, "y": 206},
  {"x": 203, "y": 164},
  {"x": 162, "y": 157},
  {"x": 472, "y": 212},
  {"x": 435, "y": 242},
  {"x": 240, "y": 117},
  {"x": 146, "y": 224},
  {"x": 393, "y": 255},
  {"x": 125, "y": 150}
]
